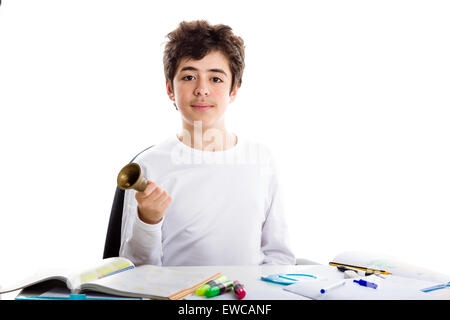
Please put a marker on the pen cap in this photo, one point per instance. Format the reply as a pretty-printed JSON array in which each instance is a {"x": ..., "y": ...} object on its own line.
[
  {"x": 365, "y": 283},
  {"x": 212, "y": 292},
  {"x": 239, "y": 289},
  {"x": 202, "y": 289}
]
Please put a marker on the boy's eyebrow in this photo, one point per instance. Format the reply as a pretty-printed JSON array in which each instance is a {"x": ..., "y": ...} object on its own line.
[{"x": 189, "y": 68}]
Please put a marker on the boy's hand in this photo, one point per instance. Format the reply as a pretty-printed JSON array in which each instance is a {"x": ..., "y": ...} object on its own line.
[{"x": 152, "y": 203}]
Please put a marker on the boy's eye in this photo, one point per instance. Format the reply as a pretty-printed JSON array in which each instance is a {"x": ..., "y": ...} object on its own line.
[
  {"x": 188, "y": 78},
  {"x": 216, "y": 79}
]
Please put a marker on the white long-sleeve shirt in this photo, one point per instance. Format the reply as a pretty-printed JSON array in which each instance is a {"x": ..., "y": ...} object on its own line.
[{"x": 225, "y": 208}]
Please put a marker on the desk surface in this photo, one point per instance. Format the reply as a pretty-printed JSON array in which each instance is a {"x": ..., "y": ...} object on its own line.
[{"x": 257, "y": 289}]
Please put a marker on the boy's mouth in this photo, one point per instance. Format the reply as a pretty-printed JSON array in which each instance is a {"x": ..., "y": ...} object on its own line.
[{"x": 201, "y": 106}]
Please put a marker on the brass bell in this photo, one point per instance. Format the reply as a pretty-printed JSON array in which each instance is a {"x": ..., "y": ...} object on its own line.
[{"x": 130, "y": 177}]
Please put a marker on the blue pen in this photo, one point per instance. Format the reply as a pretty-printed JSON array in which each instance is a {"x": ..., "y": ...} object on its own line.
[
  {"x": 436, "y": 287},
  {"x": 333, "y": 286},
  {"x": 365, "y": 283}
]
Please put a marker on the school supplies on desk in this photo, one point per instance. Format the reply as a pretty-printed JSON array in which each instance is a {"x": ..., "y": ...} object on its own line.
[
  {"x": 119, "y": 277},
  {"x": 220, "y": 288},
  {"x": 368, "y": 271},
  {"x": 202, "y": 289},
  {"x": 387, "y": 265},
  {"x": 372, "y": 277}
]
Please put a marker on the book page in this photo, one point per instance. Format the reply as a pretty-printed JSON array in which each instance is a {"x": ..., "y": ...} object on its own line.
[
  {"x": 150, "y": 281},
  {"x": 104, "y": 268},
  {"x": 40, "y": 275}
]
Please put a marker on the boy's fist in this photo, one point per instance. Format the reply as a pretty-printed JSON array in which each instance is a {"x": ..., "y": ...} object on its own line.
[{"x": 152, "y": 203}]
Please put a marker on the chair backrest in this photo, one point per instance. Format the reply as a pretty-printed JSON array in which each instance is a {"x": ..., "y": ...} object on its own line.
[{"x": 113, "y": 235}]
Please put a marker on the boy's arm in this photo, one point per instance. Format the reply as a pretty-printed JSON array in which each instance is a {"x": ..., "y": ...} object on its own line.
[
  {"x": 275, "y": 237},
  {"x": 140, "y": 242}
]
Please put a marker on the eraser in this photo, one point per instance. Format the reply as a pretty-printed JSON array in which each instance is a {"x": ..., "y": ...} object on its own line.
[{"x": 349, "y": 274}]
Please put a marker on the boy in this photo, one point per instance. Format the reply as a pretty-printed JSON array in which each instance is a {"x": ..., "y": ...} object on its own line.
[{"x": 212, "y": 198}]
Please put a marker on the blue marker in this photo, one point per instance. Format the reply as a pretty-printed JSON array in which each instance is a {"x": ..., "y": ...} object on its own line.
[
  {"x": 436, "y": 287},
  {"x": 365, "y": 283}
]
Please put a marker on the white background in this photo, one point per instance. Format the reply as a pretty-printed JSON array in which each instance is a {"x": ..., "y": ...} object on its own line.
[{"x": 351, "y": 96}]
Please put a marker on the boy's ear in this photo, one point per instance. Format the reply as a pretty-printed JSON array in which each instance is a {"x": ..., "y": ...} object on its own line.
[
  {"x": 234, "y": 93},
  {"x": 170, "y": 91}
]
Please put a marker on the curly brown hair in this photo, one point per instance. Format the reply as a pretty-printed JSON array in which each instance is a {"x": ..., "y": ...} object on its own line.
[{"x": 196, "y": 39}]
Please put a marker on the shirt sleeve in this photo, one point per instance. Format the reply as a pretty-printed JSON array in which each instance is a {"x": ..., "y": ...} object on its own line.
[
  {"x": 140, "y": 242},
  {"x": 275, "y": 237}
]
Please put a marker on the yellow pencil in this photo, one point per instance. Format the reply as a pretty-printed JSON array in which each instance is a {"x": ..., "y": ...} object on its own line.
[{"x": 334, "y": 264}]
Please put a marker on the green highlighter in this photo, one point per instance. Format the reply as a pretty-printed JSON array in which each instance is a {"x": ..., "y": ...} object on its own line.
[
  {"x": 202, "y": 289},
  {"x": 219, "y": 289}
]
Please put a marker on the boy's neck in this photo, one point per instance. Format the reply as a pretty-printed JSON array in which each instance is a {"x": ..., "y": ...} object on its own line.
[{"x": 207, "y": 139}]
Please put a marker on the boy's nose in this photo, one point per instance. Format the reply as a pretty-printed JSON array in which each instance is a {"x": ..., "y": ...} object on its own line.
[{"x": 201, "y": 91}]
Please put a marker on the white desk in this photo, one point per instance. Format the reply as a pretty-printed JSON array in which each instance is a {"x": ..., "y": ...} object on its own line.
[{"x": 257, "y": 289}]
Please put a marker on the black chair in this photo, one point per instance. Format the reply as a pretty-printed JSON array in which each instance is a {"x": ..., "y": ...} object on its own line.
[{"x": 113, "y": 235}]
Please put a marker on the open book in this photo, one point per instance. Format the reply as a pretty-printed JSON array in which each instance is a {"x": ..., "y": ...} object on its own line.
[
  {"x": 390, "y": 278},
  {"x": 119, "y": 277}
]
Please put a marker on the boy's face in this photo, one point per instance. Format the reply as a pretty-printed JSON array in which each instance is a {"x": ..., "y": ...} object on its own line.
[{"x": 201, "y": 89}]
